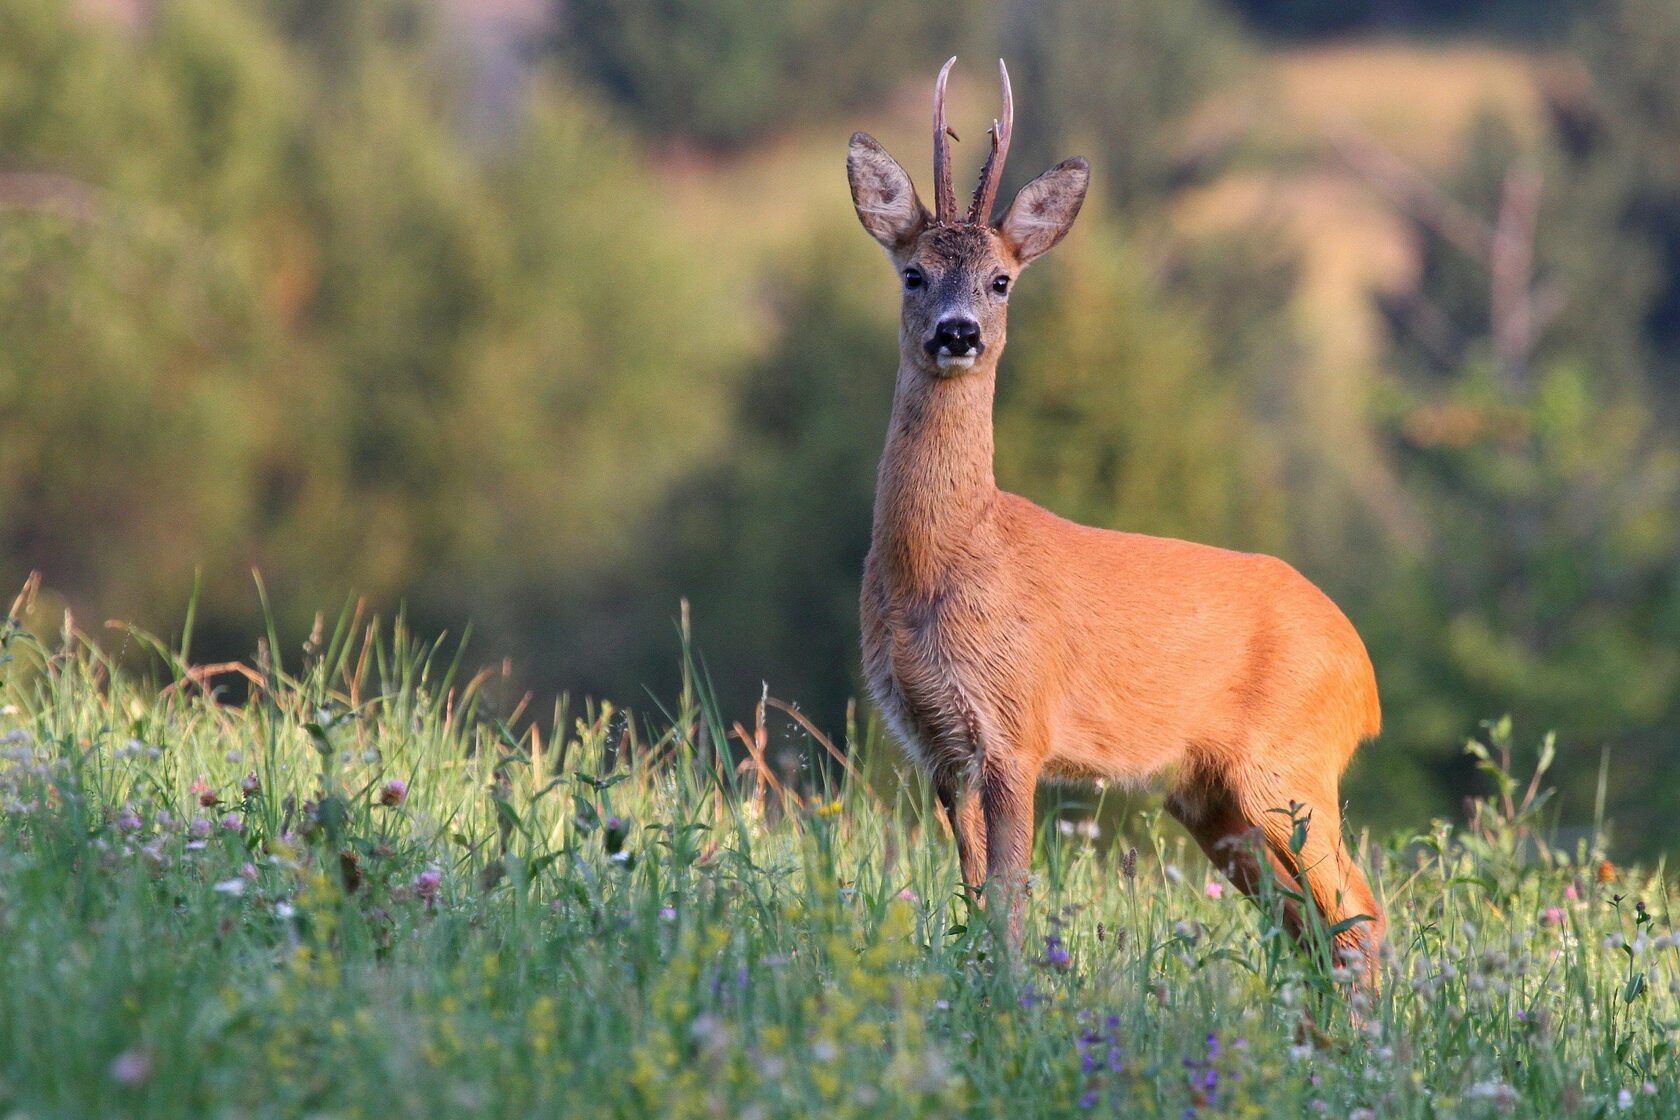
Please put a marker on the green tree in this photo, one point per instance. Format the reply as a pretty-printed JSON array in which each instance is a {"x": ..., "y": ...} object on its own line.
[{"x": 263, "y": 302}]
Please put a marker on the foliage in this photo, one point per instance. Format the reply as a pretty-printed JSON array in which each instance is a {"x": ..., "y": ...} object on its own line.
[
  {"x": 1549, "y": 582},
  {"x": 359, "y": 893},
  {"x": 265, "y": 305},
  {"x": 1310, "y": 18},
  {"x": 1112, "y": 81},
  {"x": 718, "y": 72}
]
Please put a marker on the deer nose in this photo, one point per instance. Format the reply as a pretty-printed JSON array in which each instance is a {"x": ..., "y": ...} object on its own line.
[{"x": 956, "y": 336}]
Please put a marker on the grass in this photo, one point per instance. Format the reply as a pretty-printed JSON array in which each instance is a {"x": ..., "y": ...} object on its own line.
[{"x": 356, "y": 894}]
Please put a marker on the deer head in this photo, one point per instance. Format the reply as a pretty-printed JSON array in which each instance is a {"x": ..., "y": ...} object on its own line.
[{"x": 958, "y": 272}]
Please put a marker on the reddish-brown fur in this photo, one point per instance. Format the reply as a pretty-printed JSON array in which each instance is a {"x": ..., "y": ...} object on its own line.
[{"x": 1006, "y": 644}]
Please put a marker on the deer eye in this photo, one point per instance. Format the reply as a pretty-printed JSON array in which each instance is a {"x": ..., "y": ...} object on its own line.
[
  {"x": 913, "y": 278},
  {"x": 1001, "y": 285}
]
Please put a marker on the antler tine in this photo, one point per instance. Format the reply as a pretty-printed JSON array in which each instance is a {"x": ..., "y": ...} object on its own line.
[
  {"x": 944, "y": 198},
  {"x": 985, "y": 195}
]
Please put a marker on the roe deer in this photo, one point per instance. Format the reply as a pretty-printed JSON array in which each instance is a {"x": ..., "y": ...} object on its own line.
[{"x": 1004, "y": 644}]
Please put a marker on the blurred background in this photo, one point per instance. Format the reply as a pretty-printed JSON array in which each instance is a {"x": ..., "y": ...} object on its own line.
[{"x": 499, "y": 311}]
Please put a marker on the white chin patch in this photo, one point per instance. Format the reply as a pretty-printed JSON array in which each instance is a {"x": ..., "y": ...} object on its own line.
[{"x": 954, "y": 361}]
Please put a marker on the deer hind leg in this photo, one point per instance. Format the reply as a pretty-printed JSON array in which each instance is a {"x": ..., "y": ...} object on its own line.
[
  {"x": 967, "y": 818},
  {"x": 1323, "y": 865},
  {"x": 1234, "y": 844}
]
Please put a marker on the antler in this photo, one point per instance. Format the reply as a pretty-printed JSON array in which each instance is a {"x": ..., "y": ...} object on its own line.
[
  {"x": 944, "y": 199},
  {"x": 980, "y": 210}
]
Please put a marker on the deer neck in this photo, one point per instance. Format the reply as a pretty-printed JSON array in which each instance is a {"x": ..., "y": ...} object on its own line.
[{"x": 935, "y": 486}]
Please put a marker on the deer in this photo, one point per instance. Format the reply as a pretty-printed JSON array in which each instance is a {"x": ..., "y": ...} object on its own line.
[{"x": 1004, "y": 645}]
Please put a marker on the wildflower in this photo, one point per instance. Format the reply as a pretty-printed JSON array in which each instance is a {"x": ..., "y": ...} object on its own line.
[
  {"x": 1173, "y": 874},
  {"x": 1088, "y": 1099},
  {"x": 233, "y": 756},
  {"x": 248, "y": 870},
  {"x": 128, "y": 820},
  {"x": 235, "y": 887},
  {"x": 1503, "y": 1096},
  {"x": 1624, "y": 1100},
  {"x": 1128, "y": 863},
  {"x": 907, "y": 895},
  {"x": 201, "y": 790},
  {"x": 1065, "y": 827},
  {"x": 393, "y": 792},
  {"x": 162, "y": 819},
  {"x": 232, "y": 823},
  {"x": 248, "y": 785},
  {"x": 1553, "y": 916},
  {"x": 1571, "y": 893},
  {"x": 617, "y": 828},
  {"x": 131, "y": 1068},
  {"x": 667, "y": 914},
  {"x": 198, "y": 828},
  {"x": 1214, "y": 889},
  {"x": 426, "y": 885},
  {"x": 1055, "y": 953}
]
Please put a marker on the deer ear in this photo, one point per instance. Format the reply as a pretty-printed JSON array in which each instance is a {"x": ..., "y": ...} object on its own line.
[
  {"x": 1045, "y": 209},
  {"x": 883, "y": 195}
]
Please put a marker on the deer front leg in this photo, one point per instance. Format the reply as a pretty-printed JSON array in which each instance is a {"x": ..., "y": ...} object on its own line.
[
  {"x": 1007, "y": 796},
  {"x": 968, "y": 828}
]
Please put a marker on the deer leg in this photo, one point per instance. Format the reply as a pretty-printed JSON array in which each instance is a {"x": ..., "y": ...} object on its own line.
[
  {"x": 1235, "y": 845},
  {"x": 1007, "y": 798},
  {"x": 967, "y": 818},
  {"x": 1326, "y": 868}
]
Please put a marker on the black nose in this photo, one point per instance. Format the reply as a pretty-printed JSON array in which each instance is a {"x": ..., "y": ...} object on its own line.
[{"x": 956, "y": 337}]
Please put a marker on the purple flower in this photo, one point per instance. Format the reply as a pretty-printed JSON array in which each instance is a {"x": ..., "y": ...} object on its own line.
[
  {"x": 232, "y": 823},
  {"x": 131, "y": 1068},
  {"x": 1055, "y": 953},
  {"x": 1088, "y": 1099},
  {"x": 426, "y": 884},
  {"x": 198, "y": 828},
  {"x": 393, "y": 792}
]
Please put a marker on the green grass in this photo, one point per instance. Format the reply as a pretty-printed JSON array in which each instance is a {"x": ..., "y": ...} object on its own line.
[{"x": 613, "y": 918}]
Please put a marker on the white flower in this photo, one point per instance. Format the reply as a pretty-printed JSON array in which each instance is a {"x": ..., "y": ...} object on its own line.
[
  {"x": 1503, "y": 1096},
  {"x": 230, "y": 886},
  {"x": 1624, "y": 1100}
]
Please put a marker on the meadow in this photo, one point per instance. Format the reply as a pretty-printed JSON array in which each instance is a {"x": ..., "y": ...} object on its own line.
[{"x": 356, "y": 892}]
